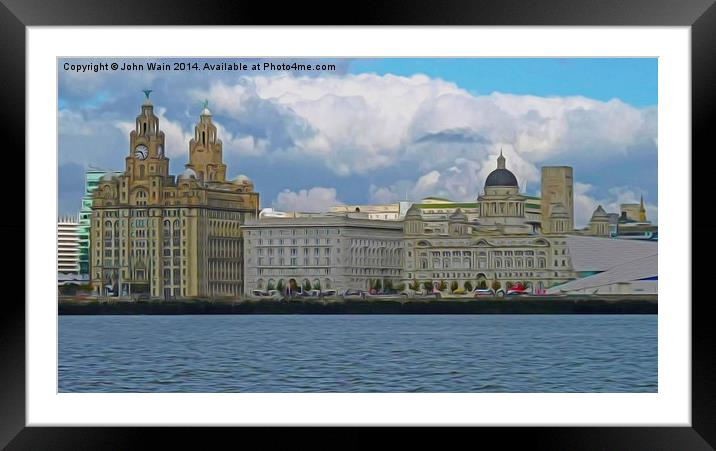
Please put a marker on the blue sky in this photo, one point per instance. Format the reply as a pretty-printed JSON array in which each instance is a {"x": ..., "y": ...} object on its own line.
[
  {"x": 380, "y": 130},
  {"x": 633, "y": 80}
]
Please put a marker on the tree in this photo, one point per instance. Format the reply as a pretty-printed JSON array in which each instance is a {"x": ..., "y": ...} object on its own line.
[
  {"x": 270, "y": 285},
  {"x": 377, "y": 284},
  {"x": 280, "y": 286},
  {"x": 453, "y": 286},
  {"x": 482, "y": 283},
  {"x": 428, "y": 284},
  {"x": 496, "y": 285},
  {"x": 415, "y": 285},
  {"x": 306, "y": 285},
  {"x": 468, "y": 286},
  {"x": 443, "y": 286},
  {"x": 400, "y": 287}
]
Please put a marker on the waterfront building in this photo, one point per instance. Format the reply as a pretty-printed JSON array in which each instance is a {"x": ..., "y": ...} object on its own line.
[
  {"x": 157, "y": 234},
  {"x": 498, "y": 246},
  {"x": 599, "y": 223},
  {"x": 622, "y": 226},
  {"x": 611, "y": 266},
  {"x": 634, "y": 212},
  {"x": 68, "y": 250},
  {"x": 92, "y": 177},
  {"x": 322, "y": 251},
  {"x": 439, "y": 208},
  {"x": 557, "y": 205}
]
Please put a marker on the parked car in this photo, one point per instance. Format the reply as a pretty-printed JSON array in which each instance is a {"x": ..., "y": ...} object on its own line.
[
  {"x": 270, "y": 294},
  {"x": 483, "y": 292},
  {"x": 517, "y": 290},
  {"x": 353, "y": 293}
]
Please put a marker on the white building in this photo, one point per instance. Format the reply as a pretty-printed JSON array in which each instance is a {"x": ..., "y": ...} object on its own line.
[
  {"x": 68, "y": 245},
  {"x": 322, "y": 252}
]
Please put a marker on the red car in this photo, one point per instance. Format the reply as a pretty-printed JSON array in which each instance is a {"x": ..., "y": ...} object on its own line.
[{"x": 517, "y": 289}]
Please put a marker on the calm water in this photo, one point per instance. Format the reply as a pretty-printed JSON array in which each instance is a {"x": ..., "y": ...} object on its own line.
[{"x": 358, "y": 353}]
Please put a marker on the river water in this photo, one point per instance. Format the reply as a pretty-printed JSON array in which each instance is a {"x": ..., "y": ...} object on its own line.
[{"x": 358, "y": 353}]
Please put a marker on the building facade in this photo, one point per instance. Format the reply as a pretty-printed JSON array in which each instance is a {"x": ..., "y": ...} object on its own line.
[
  {"x": 557, "y": 199},
  {"x": 92, "y": 178},
  {"x": 160, "y": 235},
  {"x": 322, "y": 252},
  {"x": 68, "y": 246},
  {"x": 500, "y": 248},
  {"x": 496, "y": 242},
  {"x": 632, "y": 223}
]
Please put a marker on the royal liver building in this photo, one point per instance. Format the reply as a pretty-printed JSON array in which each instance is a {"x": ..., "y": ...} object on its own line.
[{"x": 161, "y": 235}]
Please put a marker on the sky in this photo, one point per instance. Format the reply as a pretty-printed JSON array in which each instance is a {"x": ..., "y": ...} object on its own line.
[{"x": 380, "y": 130}]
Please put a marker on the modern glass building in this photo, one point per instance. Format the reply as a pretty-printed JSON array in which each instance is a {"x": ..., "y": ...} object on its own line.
[{"x": 92, "y": 177}]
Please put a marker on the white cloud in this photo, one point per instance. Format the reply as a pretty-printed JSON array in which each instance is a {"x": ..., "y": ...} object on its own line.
[
  {"x": 360, "y": 124},
  {"x": 442, "y": 139},
  {"x": 316, "y": 199}
]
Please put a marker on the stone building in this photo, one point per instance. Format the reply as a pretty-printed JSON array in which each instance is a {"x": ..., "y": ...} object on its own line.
[
  {"x": 501, "y": 247},
  {"x": 557, "y": 199},
  {"x": 161, "y": 235},
  {"x": 322, "y": 252}
]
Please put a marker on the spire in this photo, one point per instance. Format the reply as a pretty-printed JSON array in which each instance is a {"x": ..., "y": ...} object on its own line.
[
  {"x": 642, "y": 210},
  {"x": 500, "y": 161}
]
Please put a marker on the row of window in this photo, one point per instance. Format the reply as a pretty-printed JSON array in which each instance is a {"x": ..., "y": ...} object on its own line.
[{"x": 292, "y": 232}]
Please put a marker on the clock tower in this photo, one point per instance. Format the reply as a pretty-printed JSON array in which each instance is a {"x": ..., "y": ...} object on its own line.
[
  {"x": 147, "y": 167},
  {"x": 205, "y": 150}
]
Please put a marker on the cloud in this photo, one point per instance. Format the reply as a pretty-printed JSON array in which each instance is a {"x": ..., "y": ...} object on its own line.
[
  {"x": 458, "y": 178},
  {"x": 316, "y": 199},
  {"x": 390, "y": 136}
]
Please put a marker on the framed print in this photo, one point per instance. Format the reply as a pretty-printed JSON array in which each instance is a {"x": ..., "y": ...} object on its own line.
[{"x": 375, "y": 225}]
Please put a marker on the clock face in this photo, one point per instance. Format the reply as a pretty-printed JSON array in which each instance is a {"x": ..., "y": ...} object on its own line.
[
  {"x": 160, "y": 151},
  {"x": 141, "y": 152}
]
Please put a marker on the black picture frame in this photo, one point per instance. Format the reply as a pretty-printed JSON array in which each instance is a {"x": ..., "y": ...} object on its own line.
[{"x": 16, "y": 15}]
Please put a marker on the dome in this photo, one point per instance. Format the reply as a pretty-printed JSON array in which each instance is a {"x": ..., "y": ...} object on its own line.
[
  {"x": 187, "y": 174},
  {"x": 240, "y": 179},
  {"x": 458, "y": 216},
  {"x": 108, "y": 177},
  {"x": 501, "y": 177},
  {"x": 600, "y": 214},
  {"x": 414, "y": 212}
]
